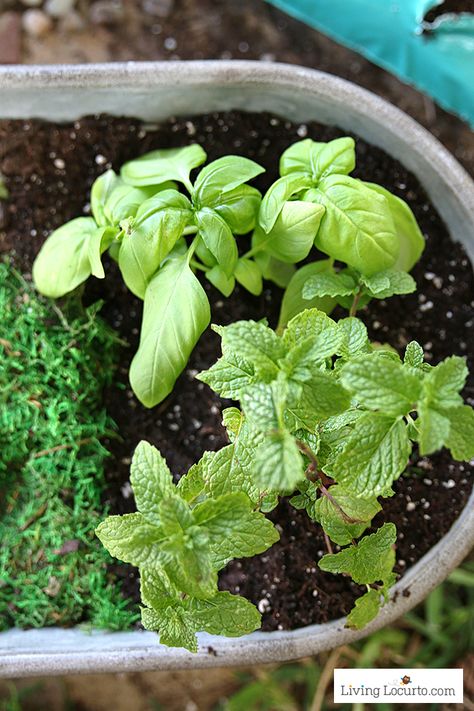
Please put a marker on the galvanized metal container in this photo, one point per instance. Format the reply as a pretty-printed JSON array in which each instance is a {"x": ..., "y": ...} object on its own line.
[{"x": 155, "y": 91}]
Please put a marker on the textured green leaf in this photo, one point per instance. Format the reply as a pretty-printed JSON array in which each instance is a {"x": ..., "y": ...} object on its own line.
[
  {"x": 64, "y": 260},
  {"x": 292, "y": 235},
  {"x": 355, "y": 337},
  {"x": 278, "y": 194},
  {"x": 414, "y": 355},
  {"x": 320, "y": 397},
  {"x": 226, "y": 614},
  {"x": 329, "y": 284},
  {"x": 229, "y": 376},
  {"x": 379, "y": 383},
  {"x": 293, "y": 302},
  {"x": 343, "y": 516},
  {"x": 279, "y": 464},
  {"x": 175, "y": 515},
  {"x": 192, "y": 484},
  {"x": 306, "y": 498},
  {"x": 370, "y": 561},
  {"x": 174, "y": 627},
  {"x": 231, "y": 469},
  {"x": 412, "y": 242},
  {"x": 386, "y": 283},
  {"x": 443, "y": 383},
  {"x": 235, "y": 529},
  {"x": 151, "y": 480},
  {"x": 319, "y": 159},
  {"x": 433, "y": 428},
  {"x": 357, "y": 227},
  {"x": 263, "y": 404},
  {"x": 374, "y": 455},
  {"x": 159, "y": 166},
  {"x": 461, "y": 432},
  {"x": 248, "y": 273},
  {"x": 365, "y": 610},
  {"x": 310, "y": 324},
  {"x": 176, "y": 312},
  {"x": 254, "y": 342},
  {"x": 156, "y": 589},
  {"x": 132, "y": 539}
]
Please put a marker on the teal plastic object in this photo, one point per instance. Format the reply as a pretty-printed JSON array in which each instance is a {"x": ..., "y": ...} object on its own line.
[{"x": 390, "y": 33}]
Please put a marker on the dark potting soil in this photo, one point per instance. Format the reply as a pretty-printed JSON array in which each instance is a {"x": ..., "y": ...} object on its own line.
[
  {"x": 449, "y": 6},
  {"x": 49, "y": 170}
]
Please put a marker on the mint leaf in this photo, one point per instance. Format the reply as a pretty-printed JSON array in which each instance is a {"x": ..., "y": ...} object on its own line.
[
  {"x": 263, "y": 404},
  {"x": 173, "y": 625},
  {"x": 226, "y": 614},
  {"x": 379, "y": 383},
  {"x": 318, "y": 397},
  {"x": 461, "y": 432},
  {"x": 433, "y": 428},
  {"x": 151, "y": 480},
  {"x": 443, "y": 383},
  {"x": 365, "y": 610},
  {"x": 132, "y": 539},
  {"x": 414, "y": 355},
  {"x": 343, "y": 516},
  {"x": 306, "y": 498},
  {"x": 329, "y": 284},
  {"x": 230, "y": 376},
  {"x": 192, "y": 484},
  {"x": 370, "y": 561},
  {"x": 279, "y": 464},
  {"x": 310, "y": 324},
  {"x": 234, "y": 528},
  {"x": 387, "y": 283},
  {"x": 293, "y": 302},
  {"x": 373, "y": 456},
  {"x": 253, "y": 341},
  {"x": 355, "y": 338}
]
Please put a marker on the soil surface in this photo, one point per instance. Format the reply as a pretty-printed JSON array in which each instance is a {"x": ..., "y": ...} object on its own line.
[{"x": 49, "y": 170}]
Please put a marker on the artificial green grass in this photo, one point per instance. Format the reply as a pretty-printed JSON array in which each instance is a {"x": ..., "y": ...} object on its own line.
[{"x": 53, "y": 367}]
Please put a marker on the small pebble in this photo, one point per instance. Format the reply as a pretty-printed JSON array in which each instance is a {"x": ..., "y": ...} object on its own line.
[
  {"x": 58, "y": 8},
  {"x": 36, "y": 23},
  {"x": 158, "y": 8},
  {"x": 411, "y": 506},
  {"x": 59, "y": 163}
]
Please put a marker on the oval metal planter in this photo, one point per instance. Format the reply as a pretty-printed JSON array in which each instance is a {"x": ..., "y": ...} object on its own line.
[{"x": 155, "y": 91}]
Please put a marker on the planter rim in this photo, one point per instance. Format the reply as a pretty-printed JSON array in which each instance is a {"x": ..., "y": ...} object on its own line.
[{"x": 58, "y": 651}]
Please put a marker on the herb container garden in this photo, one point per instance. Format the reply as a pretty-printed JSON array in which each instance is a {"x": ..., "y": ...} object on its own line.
[{"x": 155, "y": 92}]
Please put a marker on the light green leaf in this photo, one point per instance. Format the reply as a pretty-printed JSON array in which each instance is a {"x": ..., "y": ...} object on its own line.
[
  {"x": 293, "y": 302},
  {"x": 292, "y": 235},
  {"x": 3, "y": 188},
  {"x": 176, "y": 312},
  {"x": 226, "y": 614},
  {"x": 443, "y": 383},
  {"x": 279, "y": 464},
  {"x": 174, "y": 514},
  {"x": 101, "y": 190},
  {"x": 310, "y": 324},
  {"x": 380, "y": 383},
  {"x": 132, "y": 539},
  {"x": 320, "y": 397},
  {"x": 343, "y": 516},
  {"x": 329, "y": 284},
  {"x": 221, "y": 177},
  {"x": 229, "y": 376},
  {"x": 263, "y": 404},
  {"x": 160, "y": 166},
  {"x": 151, "y": 480},
  {"x": 156, "y": 589},
  {"x": 461, "y": 432},
  {"x": 278, "y": 194},
  {"x": 356, "y": 339},
  {"x": 433, "y": 428},
  {"x": 365, "y": 610},
  {"x": 319, "y": 159},
  {"x": 235, "y": 529},
  {"x": 151, "y": 236},
  {"x": 280, "y": 273},
  {"x": 218, "y": 278},
  {"x": 173, "y": 624},
  {"x": 232, "y": 419},
  {"x": 239, "y": 208},
  {"x": 64, "y": 260},
  {"x": 370, "y": 561},
  {"x": 414, "y": 355},
  {"x": 218, "y": 238},
  {"x": 124, "y": 201},
  {"x": 98, "y": 242},
  {"x": 374, "y": 455},
  {"x": 357, "y": 227},
  {"x": 388, "y": 282},
  {"x": 247, "y": 272},
  {"x": 192, "y": 484},
  {"x": 412, "y": 242},
  {"x": 254, "y": 342}
]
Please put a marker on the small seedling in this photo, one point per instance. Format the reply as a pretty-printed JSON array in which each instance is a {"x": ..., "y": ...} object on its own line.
[{"x": 160, "y": 237}]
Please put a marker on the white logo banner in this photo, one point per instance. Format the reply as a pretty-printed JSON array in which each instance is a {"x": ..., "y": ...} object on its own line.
[{"x": 398, "y": 686}]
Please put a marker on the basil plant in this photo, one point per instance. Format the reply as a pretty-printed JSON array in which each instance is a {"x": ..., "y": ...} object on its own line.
[{"x": 162, "y": 227}]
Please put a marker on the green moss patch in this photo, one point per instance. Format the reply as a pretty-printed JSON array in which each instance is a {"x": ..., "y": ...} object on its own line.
[{"x": 54, "y": 365}]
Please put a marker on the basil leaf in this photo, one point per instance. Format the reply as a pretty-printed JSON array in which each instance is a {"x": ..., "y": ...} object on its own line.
[
  {"x": 176, "y": 312},
  {"x": 412, "y": 242},
  {"x": 160, "y": 166},
  {"x": 239, "y": 208},
  {"x": 222, "y": 176},
  {"x": 319, "y": 159},
  {"x": 293, "y": 233},
  {"x": 218, "y": 278},
  {"x": 124, "y": 201},
  {"x": 69, "y": 256},
  {"x": 101, "y": 190},
  {"x": 357, "y": 227},
  {"x": 274, "y": 269},
  {"x": 218, "y": 238},
  {"x": 248, "y": 273},
  {"x": 293, "y": 302},
  {"x": 159, "y": 224},
  {"x": 278, "y": 194}
]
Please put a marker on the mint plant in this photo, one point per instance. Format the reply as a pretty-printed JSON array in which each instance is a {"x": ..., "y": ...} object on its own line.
[
  {"x": 327, "y": 418},
  {"x": 161, "y": 236}
]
